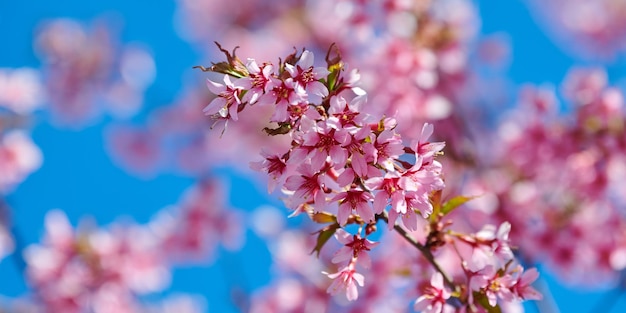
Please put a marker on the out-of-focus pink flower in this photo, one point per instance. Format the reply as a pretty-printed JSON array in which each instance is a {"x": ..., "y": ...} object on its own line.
[
  {"x": 19, "y": 157},
  {"x": 490, "y": 242},
  {"x": 135, "y": 149},
  {"x": 592, "y": 29},
  {"x": 494, "y": 284},
  {"x": 87, "y": 74},
  {"x": 99, "y": 271},
  {"x": 346, "y": 280},
  {"x": 434, "y": 296},
  {"x": 193, "y": 229},
  {"x": 288, "y": 295},
  {"x": 21, "y": 90}
]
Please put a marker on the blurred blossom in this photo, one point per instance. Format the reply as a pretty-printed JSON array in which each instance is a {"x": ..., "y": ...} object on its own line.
[
  {"x": 19, "y": 157},
  {"x": 267, "y": 221},
  {"x": 135, "y": 149},
  {"x": 176, "y": 138},
  {"x": 137, "y": 67},
  {"x": 201, "y": 19},
  {"x": 94, "y": 269},
  {"x": 495, "y": 50},
  {"x": 87, "y": 73},
  {"x": 21, "y": 90},
  {"x": 554, "y": 177},
  {"x": 192, "y": 230},
  {"x": 594, "y": 29}
]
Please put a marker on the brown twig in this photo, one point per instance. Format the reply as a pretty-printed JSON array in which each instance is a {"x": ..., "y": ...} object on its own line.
[{"x": 423, "y": 249}]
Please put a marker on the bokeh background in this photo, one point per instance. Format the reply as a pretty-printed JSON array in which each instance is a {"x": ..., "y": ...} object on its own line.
[{"x": 151, "y": 48}]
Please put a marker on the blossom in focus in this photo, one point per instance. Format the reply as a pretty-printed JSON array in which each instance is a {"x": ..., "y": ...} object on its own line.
[
  {"x": 354, "y": 247},
  {"x": 228, "y": 99}
]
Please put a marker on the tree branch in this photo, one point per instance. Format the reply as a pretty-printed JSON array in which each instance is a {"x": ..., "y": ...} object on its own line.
[{"x": 423, "y": 249}]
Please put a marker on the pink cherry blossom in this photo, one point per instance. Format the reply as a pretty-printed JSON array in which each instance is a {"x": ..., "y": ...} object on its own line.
[
  {"x": 226, "y": 105},
  {"x": 326, "y": 141},
  {"x": 96, "y": 270},
  {"x": 135, "y": 149},
  {"x": 19, "y": 157},
  {"x": 354, "y": 200},
  {"x": 86, "y": 74},
  {"x": 308, "y": 186},
  {"x": 21, "y": 90},
  {"x": 304, "y": 74},
  {"x": 346, "y": 279},
  {"x": 497, "y": 242},
  {"x": 258, "y": 83},
  {"x": 193, "y": 229},
  {"x": 522, "y": 287},
  {"x": 434, "y": 296},
  {"x": 275, "y": 166},
  {"x": 388, "y": 147},
  {"x": 354, "y": 247}
]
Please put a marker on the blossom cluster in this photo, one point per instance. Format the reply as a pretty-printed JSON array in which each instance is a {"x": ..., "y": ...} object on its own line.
[
  {"x": 95, "y": 270},
  {"x": 21, "y": 94},
  {"x": 566, "y": 174},
  {"x": 98, "y": 269},
  {"x": 346, "y": 167},
  {"x": 86, "y": 74},
  {"x": 593, "y": 29}
]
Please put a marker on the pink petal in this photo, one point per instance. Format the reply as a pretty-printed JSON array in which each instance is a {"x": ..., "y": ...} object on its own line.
[
  {"x": 343, "y": 213},
  {"x": 380, "y": 201},
  {"x": 346, "y": 178},
  {"x": 214, "y": 87},
  {"x": 343, "y": 254},
  {"x": 437, "y": 281},
  {"x": 215, "y": 106}
]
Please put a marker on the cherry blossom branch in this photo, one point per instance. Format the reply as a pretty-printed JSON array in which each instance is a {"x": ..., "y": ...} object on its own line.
[
  {"x": 345, "y": 160},
  {"x": 423, "y": 249}
]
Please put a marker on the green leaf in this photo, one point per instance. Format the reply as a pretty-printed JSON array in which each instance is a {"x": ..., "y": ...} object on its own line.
[
  {"x": 454, "y": 203},
  {"x": 323, "y": 218},
  {"x": 435, "y": 200},
  {"x": 331, "y": 79},
  {"x": 324, "y": 235},
  {"x": 282, "y": 129},
  {"x": 484, "y": 302}
]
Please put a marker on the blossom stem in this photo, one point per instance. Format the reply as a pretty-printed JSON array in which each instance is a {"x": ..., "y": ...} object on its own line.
[{"x": 423, "y": 249}]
